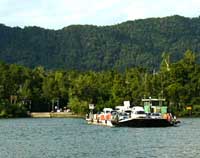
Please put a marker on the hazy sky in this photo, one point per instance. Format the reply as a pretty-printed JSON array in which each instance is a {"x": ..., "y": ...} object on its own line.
[{"x": 56, "y": 14}]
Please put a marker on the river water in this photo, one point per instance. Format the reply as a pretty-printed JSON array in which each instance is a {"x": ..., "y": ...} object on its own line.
[{"x": 73, "y": 138}]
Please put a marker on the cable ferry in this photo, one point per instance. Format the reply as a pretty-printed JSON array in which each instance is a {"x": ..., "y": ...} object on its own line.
[{"x": 153, "y": 113}]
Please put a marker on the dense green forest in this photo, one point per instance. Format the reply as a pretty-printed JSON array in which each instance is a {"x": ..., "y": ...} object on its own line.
[
  {"x": 86, "y": 47},
  {"x": 23, "y": 89}
]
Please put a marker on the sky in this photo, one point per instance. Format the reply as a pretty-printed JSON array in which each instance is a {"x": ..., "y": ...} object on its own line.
[{"x": 56, "y": 14}]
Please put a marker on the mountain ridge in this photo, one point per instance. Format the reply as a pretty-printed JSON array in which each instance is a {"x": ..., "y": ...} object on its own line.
[{"x": 89, "y": 47}]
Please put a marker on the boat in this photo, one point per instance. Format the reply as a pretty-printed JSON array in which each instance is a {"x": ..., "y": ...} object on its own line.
[
  {"x": 104, "y": 118},
  {"x": 139, "y": 118},
  {"x": 152, "y": 114}
]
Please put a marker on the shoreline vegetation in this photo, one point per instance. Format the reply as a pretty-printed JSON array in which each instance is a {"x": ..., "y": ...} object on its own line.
[{"x": 38, "y": 90}]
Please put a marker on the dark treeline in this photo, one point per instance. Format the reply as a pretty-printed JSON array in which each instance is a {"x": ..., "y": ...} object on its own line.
[
  {"x": 23, "y": 89},
  {"x": 86, "y": 47}
]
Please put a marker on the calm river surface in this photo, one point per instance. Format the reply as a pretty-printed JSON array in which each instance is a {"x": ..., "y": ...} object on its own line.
[{"x": 73, "y": 138}]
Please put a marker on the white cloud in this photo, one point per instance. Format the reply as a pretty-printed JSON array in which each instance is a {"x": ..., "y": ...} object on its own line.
[
  {"x": 160, "y": 8},
  {"x": 59, "y": 13}
]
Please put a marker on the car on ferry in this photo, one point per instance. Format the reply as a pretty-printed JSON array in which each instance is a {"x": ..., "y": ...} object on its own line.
[
  {"x": 156, "y": 115},
  {"x": 138, "y": 112}
]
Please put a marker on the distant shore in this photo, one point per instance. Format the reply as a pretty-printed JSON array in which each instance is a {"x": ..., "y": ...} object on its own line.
[{"x": 54, "y": 115}]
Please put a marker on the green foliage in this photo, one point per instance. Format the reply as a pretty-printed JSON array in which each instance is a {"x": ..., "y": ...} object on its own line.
[
  {"x": 23, "y": 89},
  {"x": 85, "y": 47},
  {"x": 100, "y": 65},
  {"x": 12, "y": 110},
  {"x": 78, "y": 106}
]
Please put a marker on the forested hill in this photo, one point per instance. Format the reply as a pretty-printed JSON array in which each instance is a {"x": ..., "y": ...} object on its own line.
[{"x": 86, "y": 47}]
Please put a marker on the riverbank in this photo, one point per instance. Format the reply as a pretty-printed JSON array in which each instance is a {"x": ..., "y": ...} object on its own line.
[{"x": 54, "y": 115}]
